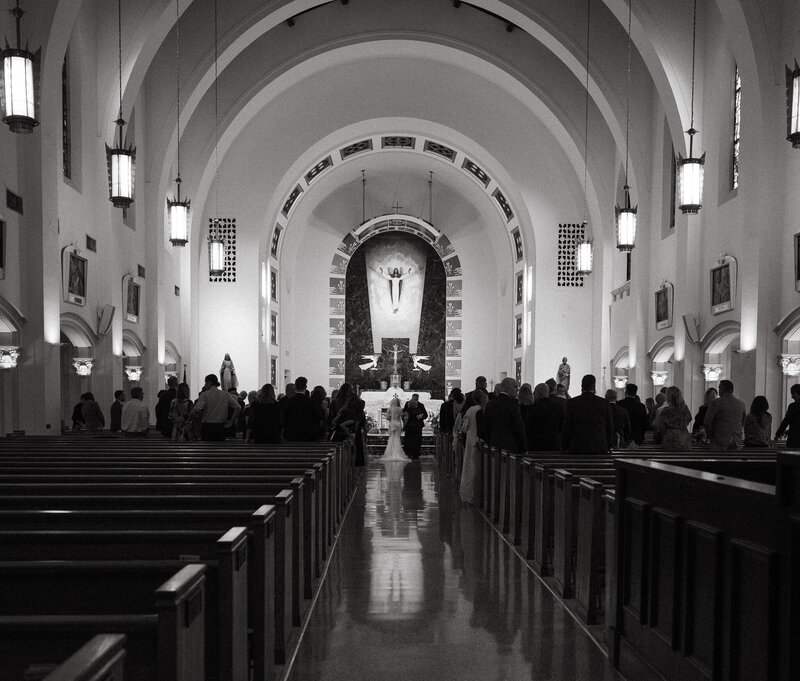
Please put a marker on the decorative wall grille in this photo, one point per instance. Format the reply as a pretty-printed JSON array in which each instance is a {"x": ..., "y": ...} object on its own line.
[
  {"x": 569, "y": 235},
  {"x": 226, "y": 228}
]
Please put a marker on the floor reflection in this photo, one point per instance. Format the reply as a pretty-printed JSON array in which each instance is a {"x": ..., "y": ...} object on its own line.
[{"x": 421, "y": 588}]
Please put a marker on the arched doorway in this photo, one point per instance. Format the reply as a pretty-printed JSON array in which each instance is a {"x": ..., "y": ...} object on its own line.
[
  {"x": 132, "y": 360},
  {"x": 788, "y": 332},
  {"x": 619, "y": 370},
  {"x": 11, "y": 322},
  {"x": 660, "y": 356},
  {"x": 77, "y": 362},
  {"x": 722, "y": 359}
]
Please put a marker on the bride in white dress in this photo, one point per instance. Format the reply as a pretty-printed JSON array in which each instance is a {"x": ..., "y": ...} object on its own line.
[{"x": 394, "y": 448}]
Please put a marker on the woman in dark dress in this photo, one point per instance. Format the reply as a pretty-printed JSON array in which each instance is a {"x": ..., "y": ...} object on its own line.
[
  {"x": 414, "y": 415},
  {"x": 265, "y": 417}
]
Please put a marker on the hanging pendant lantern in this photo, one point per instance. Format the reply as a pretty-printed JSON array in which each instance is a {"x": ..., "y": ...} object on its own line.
[
  {"x": 20, "y": 81},
  {"x": 121, "y": 159},
  {"x": 121, "y": 170},
  {"x": 177, "y": 208},
  {"x": 793, "y": 105},
  {"x": 178, "y": 218},
  {"x": 690, "y": 169},
  {"x": 627, "y": 220},
  {"x": 584, "y": 255},
  {"x": 690, "y": 179},
  {"x": 216, "y": 253}
]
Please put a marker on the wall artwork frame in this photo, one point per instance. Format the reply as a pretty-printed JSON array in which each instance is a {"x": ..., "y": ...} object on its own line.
[
  {"x": 132, "y": 299},
  {"x": 797, "y": 262},
  {"x": 664, "y": 301},
  {"x": 75, "y": 284},
  {"x": 723, "y": 285}
]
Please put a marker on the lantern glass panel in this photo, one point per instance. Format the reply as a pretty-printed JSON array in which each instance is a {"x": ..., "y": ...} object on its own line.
[
  {"x": 18, "y": 73},
  {"x": 691, "y": 182},
  {"x": 216, "y": 257},
  {"x": 626, "y": 229},
  {"x": 121, "y": 174},
  {"x": 583, "y": 258},
  {"x": 178, "y": 223}
]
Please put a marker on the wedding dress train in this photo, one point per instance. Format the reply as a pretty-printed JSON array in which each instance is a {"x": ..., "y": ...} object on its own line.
[{"x": 394, "y": 448}]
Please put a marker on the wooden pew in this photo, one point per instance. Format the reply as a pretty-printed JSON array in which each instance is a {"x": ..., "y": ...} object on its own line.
[
  {"x": 706, "y": 567},
  {"x": 100, "y": 586},
  {"x": 101, "y": 658},
  {"x": 170, "y": 638},
  {"x": 273, "y": 590}
]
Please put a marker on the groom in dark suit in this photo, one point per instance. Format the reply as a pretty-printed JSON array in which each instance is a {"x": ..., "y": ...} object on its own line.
[{"x": 588, "y": 424}]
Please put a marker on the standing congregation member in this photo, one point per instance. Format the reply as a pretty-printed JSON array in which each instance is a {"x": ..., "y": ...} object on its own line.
[
  {"x": 299, "y": 415},
  {"x": 93, "y": 417},
  {"x": 471, "y": 425},
  {"x": 216, "y": 410},
  {"x": 620, "y": 419},
  {"x": 265, "y": 417},
  {"x": 724, "y": 419},
  {"x": 469, "y": 401},
  {"x": 544, "y": 419},
  {"x": 698, "y": 430},
  {"x": 179, "y": 410},
  {"x": 502, "y": 420},
  {"x": 414, "y": 415},
  {"x": 116, "y": 410},
  {"x": 758, "y": 424},
  {"x": 135, "y": 419},
  {"x": 675, "y": 420},
  {"x": 163, "y": 406},
  {"x": 637, "y": 413},
  {"x": 77, "y": 414},
  {"x": 792, "y": 420},
  {"x": 588, "y": 425}
]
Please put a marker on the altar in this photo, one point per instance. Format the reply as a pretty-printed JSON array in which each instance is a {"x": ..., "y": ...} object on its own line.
[{"x": 377, "y": 400}]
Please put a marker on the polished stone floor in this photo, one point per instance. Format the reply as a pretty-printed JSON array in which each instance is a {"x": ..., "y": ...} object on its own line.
[{"x": 420, "y": 588}]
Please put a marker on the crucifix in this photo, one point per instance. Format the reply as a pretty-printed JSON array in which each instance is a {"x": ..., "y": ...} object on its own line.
[{"x": 394, "y": 352}]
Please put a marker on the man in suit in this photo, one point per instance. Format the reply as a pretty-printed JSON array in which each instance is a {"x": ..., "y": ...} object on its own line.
[
  {"x": 116, "y": 411},
  {"x": 447, "y": 412},
  {"x": 502, "y": 420},
  {"x": 480, "y": 384},
  {"x": 725, "y": 418},
  {"x": 621, "y": 420},
  {"x": 588, "y": 425},
  {"x": 300, "y": 420},
  {"x": 637, "y": 413}
]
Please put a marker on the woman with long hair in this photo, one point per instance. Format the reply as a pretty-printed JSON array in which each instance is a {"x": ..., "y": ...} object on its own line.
[
  {"x": 758, "y": 424},
  {"x": 675, "y": 420},
  {"x": 698, "y": 430},
  {"x": 265, "y": 417},
  {"x": 179, "y": 409},
  {"x": 470, "y": 425}
]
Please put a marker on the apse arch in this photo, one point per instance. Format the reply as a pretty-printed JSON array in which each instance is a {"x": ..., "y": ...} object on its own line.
[
  {"x": 661, "y": 355},
  {"x": 78, "y": 331},
  {"x": 11, "y": 320},
  {"x": 453, "y": 290}
]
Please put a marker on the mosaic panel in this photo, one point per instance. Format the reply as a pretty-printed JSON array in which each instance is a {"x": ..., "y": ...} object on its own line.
[
  {"x": 355, "y": 148},
  {"x": 452, "y": 267},
  {"x": 503, "y": 203},
  {"x": 398, "y": 141},
  {"x": 453, "y": 308},
  {"x": 454, "y": 288},
  {"x": 569, "y": 236},
  {"x": 226, "y": 228},
  {"x": 478, "y": 172},
  {"x": 273, "y": 370},
  {"x": 276, "y": 235},
  {"x": 291, "y": 199},
  {"x": 273, "y": 330},
  {"x": 337, "y": 286},
  {"x": 517, "y": 237},
  {"x": 322, "y": 166},
  {"x": 452, "y": 348},
  {"x": 518, "y": 331},
  {"x": 520, "y": 289},
  {"x": 440, "y": 149}
]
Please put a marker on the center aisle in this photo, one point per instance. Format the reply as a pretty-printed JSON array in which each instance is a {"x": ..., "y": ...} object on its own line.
[{"x": 420, "y": 588}]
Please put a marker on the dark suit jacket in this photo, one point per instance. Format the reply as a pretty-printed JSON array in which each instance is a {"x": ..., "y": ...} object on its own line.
[
  {"x": 622, "y": 425},
  {"x": 300, "y": 419},
  {"x": 116, "y": 416},
  {"x": 588, "y": 426},
  {"x": 502, "y": 423},
  {"x": 447, "y": 418},
  {"x": 637, "y": 413},
  {"x": 543, "y": 421},
  {"x": 792, "y": 422}
]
